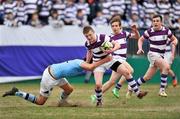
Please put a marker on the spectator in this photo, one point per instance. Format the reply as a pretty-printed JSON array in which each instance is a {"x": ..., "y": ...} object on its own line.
[
  {"x": 100, "y": 20},
  {"x": 70, "y": 13},
  {"x": 135, "y": 20},
  {"x": 134, "y": 7},
  {"x": 32, "y": 6},
  {"x": 163, "y": 7},
  {"x": 83, "y": 6},
  {"x": 81, "y": 19},
  {"x": 177, "y": 24},
  {"x": 105, "y": 5},
  {"x": 148, "y": 20},
  {"x": 149, "y": 7},
  {"x": 176, "y": 9},
  {"x": 45, "y": 11},
  {"x": 167, "y": 20},
  {"x": 59, "y": 6},
  {"x": 10, "y": 20},
  {"x": 55, "y": 20},
  {"x": 94, "y": 7},
  {"x": 9, "y": 6},
  {"x": 117, "y": 7},
  {"x": 35, "y": 22},
  {"x": 20, "y": 11}
]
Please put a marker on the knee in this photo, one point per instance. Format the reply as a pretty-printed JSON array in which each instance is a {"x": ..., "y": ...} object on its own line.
[
  {"x": 70, "y": 90},
  {"x": 126, "y": 73},
  {"x": 39, "y": 102},
  {"x": 131, "y": 71},
  {"x": 167, "y": 68},
  {"x": 98, "y": 86}
]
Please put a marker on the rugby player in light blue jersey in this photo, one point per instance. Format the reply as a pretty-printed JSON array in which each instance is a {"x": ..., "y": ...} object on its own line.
[{"x": 54, "y": 75}]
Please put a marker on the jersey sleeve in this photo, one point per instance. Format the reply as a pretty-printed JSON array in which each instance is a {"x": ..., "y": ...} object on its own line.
[
  {"x": 128, "y": 34},
  {"x": 169, "y": 33},
  {"x": 146, "y": 34}
]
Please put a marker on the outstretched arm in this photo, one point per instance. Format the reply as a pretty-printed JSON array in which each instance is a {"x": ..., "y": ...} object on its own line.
[
  {"x": 135, "y": 32},
  {"x": 140, "y": 43},
  {"x": 174, "y": 43},
  {"x": 90, "y": 67}
]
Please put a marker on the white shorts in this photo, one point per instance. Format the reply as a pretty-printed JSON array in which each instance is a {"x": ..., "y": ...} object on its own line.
[
  {"x": 152, "y": 57},
  {"x": 119, "y": 58},
  {"x": 167, "y": 57},
  {"x": 105, "y": 66},
  {"x": 48, "y": 83}
]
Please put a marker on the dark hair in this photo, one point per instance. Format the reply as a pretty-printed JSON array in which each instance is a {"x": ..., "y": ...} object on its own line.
[
  {"x": 116, "y": 19},
  {"x": 156, "y": 16},
  {"x": 86, "y": 29}
]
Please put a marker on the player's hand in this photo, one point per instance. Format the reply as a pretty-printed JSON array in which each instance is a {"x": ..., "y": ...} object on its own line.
[
  {"x": 109, "y": 58},
  {"x": 140, "y": 51},
  {"x": 134, "y": 27},
  {"x": 109, "y": 51}
]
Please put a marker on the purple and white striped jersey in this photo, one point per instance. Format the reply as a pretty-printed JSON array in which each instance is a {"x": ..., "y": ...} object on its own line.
[
  {"x": 121, "y": 38},
  {"x": 158, "y": 39},
  {"x": 98, "y": 53}
]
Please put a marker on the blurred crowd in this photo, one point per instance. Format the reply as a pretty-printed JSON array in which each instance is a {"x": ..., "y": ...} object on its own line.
[{"x": 37, "y": 13}]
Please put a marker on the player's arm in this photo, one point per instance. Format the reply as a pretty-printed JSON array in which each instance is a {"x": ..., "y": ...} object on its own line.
[
  {"x": 173, "y": 44},
  {"x": 140, "y": 43},
  {"x": 91, "y": 67},
  {"x": 135, "y": 33},
  {"x": 116, "y": 45},
  {"x": 89, "y": 56}
]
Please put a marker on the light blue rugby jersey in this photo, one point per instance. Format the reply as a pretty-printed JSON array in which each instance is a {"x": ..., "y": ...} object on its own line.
[{"x": 68, "y": 68}]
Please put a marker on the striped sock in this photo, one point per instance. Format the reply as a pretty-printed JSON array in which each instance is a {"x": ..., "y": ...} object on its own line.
[
  {"x": 163, "y": 82},
  {"x": 133, "y": 85},
  {"x": 26, "y": 96},
  {"x": 118, "y": 86},
  {"x": 140, "y": 81},
  {"x": 98, "y": 95}
]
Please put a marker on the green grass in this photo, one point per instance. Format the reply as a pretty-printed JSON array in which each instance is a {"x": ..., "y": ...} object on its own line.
[{"x": 150, "y": 107}]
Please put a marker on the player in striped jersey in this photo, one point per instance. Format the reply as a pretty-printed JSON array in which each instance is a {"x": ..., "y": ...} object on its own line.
[
  {"x": 93, "y": 44},
  {"x": 121, "y": 36},
  {"x": 158, "y": 36},
  {"x": 54, "y": 75}
]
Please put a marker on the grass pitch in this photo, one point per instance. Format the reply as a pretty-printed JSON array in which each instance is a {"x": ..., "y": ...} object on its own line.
[{"x": 150, "y": 107}]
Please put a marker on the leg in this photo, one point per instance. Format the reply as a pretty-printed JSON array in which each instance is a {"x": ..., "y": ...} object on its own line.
[
  {"x": 164, "y": 67},
  {"x": 148, "y": 75},
  {"x": 98, "y": 88},
  {"x": 131, "y": 82},
  {"x": 174, "y": 79},
  {"x": 111, "y": 81},
  {"x": 87, "y": 76},
  {"x": 118, "y": 86},
  {"x": 67, "y": 90},
  {"x": 40, "y": 100},
  {"x": 122, "y": 80}
]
